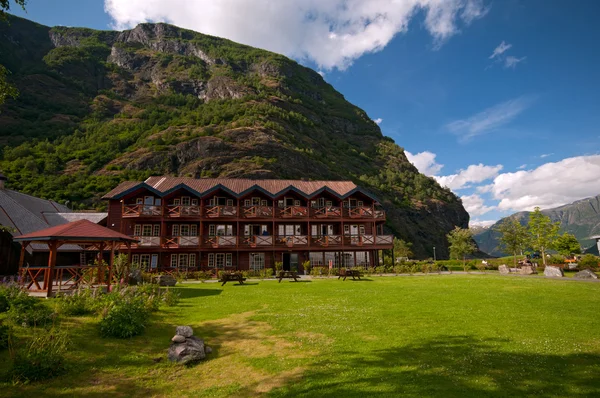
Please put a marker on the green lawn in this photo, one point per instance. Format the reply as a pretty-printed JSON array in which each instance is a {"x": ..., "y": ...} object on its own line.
[{"x": 450, "y": 336}]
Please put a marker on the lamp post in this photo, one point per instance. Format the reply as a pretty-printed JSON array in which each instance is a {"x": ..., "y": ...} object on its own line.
[{"x": 434, "y": 259}]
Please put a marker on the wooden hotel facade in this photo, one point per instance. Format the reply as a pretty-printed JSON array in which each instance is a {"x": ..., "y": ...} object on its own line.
[{"x": 240, "y": 224}]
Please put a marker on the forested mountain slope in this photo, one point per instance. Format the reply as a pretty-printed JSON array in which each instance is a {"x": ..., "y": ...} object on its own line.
[{"x": 99, "y": 107}]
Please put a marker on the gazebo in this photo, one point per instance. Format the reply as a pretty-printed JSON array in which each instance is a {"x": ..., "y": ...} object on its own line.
[{"x": 82, "y": 232}]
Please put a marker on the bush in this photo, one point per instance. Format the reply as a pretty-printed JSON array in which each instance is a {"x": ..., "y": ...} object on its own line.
[
  {"x": 380, "y": 270},
  {"x": 124, "y": 318},
  {"x": 169, "y": 297},
  {"x": 38, "y": 315},
  {"x": 4, "y": 336},
  {"x": 11, "y": 295},
  {"x": 555, "y": 260},
  {"x": 588, "y": 261},
  {"x": 413, "y": 269},
  {"x": 80, "y": 302},
  {"x": 43, "y": 358}
]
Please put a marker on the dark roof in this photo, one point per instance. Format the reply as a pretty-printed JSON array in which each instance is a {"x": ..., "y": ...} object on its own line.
[
  {"x": 3, "y": 177},
  {"x": 79, "y": 231},
  {"x": 236, "y": 186}
]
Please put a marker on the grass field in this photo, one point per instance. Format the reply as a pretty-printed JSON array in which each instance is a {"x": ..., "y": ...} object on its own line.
[{"x": 450, "y": 336}]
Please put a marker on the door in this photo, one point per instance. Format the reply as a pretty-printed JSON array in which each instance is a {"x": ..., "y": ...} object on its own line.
[
  {"x": 286, "y": 261},
  {"x": 290, "y": 261}
]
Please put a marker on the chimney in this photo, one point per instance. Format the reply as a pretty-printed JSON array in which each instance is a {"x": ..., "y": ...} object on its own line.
[{"x": 3, "y": 180}]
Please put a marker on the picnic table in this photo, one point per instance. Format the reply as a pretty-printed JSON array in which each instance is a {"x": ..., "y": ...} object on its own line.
[
  {"x": 287, "y": 275},
  {"x": 354, "y": 273},
  {"x": 232, "y": 277}
]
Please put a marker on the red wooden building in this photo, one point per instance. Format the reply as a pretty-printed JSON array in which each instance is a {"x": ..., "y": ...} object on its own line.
[{"x": 246, "y": 224}]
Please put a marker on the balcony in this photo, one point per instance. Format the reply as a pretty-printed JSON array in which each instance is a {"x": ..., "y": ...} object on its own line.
[
  {"x": 173, "y": 242},
  {"x": 293, "y": 212},
  {"x": 257, "y": 241},
  {"x": 327, "y": 212},
  {"x": 384, "y": 239},
  {"x": 147, "y": 241},
  {"x": 220, "y": 211},
  {"x": 257, "y": 212},
  {"x": 177, "y": 211},
  {"x": 359, "y": 240},
  {"x": 292, "y": 241},
  {"x": 220, "y": 241},
  {"x": 327, "y": 240},
  {"x": 141, "y": 211}
]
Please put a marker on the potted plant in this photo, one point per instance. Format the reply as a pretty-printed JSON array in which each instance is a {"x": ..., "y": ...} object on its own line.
[{"x": 306, "y": 266}]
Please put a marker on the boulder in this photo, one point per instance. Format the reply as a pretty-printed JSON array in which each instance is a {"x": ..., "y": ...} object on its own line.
[
  {"x": 178, "y": 339},
  {"x": 527, "y": 270},
  {"x": 586, "y": 274},
  {"x": 166, "y": 280},
  {"x": 503, "y": 269},
  {"x": 553, "y": 272},
  {"x": 185, "y": 331}
]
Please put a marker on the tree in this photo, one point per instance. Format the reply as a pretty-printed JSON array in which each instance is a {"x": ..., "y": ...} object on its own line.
[
  {"x": 402, "y": 248},
  {"x": 542, "y": 232},
  {"x": 513, "y": 237},
  {"x": 461, "y": 243},
  {"x": 567, "y": 244},
  {"x": 6, "y": 89}
]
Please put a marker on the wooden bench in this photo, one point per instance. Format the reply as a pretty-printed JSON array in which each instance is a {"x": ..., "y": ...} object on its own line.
[
  {"x": 345, "y": 273},
  {"x": 232, "y": 277},
  {"x": 287, "y": 275}
]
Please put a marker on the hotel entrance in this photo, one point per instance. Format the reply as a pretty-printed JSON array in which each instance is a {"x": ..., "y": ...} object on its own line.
[{"x": 290, "y": 261}]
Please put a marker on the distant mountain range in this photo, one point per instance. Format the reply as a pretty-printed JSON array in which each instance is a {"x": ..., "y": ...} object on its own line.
[{"x": 580, "y": 218}]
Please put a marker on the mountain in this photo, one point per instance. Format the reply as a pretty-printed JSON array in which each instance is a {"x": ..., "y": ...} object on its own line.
[
  {"x": 100, "y": 107},
  {"x": 580, "y": 218}
]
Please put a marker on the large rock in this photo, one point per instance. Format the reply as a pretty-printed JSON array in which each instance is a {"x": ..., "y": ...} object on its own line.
[
  {"x": 527, "y": 270},
  {"x": 503, "y": 269},
  {"x": 166, "y": 280},
  {"x": 586, "y": 274},
  {"x": 186, "y": 347},
  {"x": 553, "y": 272},
  {"x": 184, "y": 331}
]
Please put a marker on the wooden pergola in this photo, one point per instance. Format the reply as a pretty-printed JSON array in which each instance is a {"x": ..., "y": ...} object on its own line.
[{"x": 81, "y": 233}]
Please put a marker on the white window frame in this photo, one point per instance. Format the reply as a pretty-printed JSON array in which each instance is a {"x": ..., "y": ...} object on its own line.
[
  {"x": 183, "y": 260},
  {"x": 137, "y": 230},
  {"x": 175, "y": 230},
  {"x": 257, "y": 261},
  {"x": 194, "y": 202},
  {"x": 156, "y": 230},
  {"x": 176, "y": 202},
  {"x": 192, "y": 260},
  {"x": 173, "y": 260},
  {"x": 135, "y": 259}
]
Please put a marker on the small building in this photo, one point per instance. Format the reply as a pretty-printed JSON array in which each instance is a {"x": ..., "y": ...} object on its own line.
[{"x": 242, "y": 224}]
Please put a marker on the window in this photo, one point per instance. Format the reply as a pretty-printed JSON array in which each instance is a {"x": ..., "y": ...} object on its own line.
[
  {"x": 157, "y": 201},
  {"x": 255, "y": 201},
  {"x": 257, "y": 261},
  {"x": 289, "y": 229},
  {"x": 229, "y": 202},
  {"x": 139, "y": 201},
  {"x": 360, "y": 203},
  {"x": 135, "y": 259},
  {"x": 176, "y": 202},
  {"x": 362, "y": 259},
  {"x": 137, "y": 230},
  {"x": 156, "y": 230},
  {"x": 175, "y": 230},
  {"x": 346, "y": 229},
  {"x": 192, "y": 259},
  {"x": 185, "y": 200},
  {"x": 194, "y": 202},
  {"x": 247, "y": 202},
  {"x": 211, "y": 260},
  {"x": 184, "y": 230},
  {"x": 149, "y": 200},
  {"x": 147, "y": 230},
  {"x": 212, "y": 230},
  {"x": 183, "y": 260},
  {"x": 173, "y": 260},
  {"x": 316, "y": 259},
  {"x": 263, "y": 203},
  {"x": 144, "y": 261},
  {"x": 329, "y": 203},
  {"x": 333, "y": 258},
  {"x": 220, "y": 260},
  {"x": 296, "y": 203},
  {"x": 193, "y": 230},
  {"x": 221, "y": 230}
]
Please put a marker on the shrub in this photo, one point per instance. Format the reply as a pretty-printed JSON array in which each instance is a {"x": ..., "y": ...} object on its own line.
[
  {"x": 413, "y": 269},
  {"x": 170, "y": 298},
  {"x": 124, "y": 318},
  {"x": 588, "y": 261},
  {"x": 42, "y": 358},
  {"x": 481, "y": 267},
  {"x": 38, "y": 314},
  {"x": 380, "y": 270},
  {"x": 4, "y": 336},
  {"x": 556, "y": 260},
  {"x": 11, "y": 295},
  {"x": 80, "y": 302}
]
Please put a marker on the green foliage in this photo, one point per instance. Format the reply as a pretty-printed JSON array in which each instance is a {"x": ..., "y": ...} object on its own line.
[
  {"x": 461, "y": 243},
  {"x": 42, "y": 358},
  {"x": 402, "y": 248},
  {"x": 556, "y": 260},
  {"x": 278, "y": 266},
  {"x": 80, "y": 302},
  {"x": 567, "y": 244},
  {"x": 124, "y": 317},
  {"x": 170, "y": 298},
  {"x": 513, "y": 237},
  {"x": 542, "y": 232},
  {"x": 6, "y": 89},
  {"x": 22, "y": 309},
  {"x": 5, "y": 333},
  {"x": 588, "y": 261}
]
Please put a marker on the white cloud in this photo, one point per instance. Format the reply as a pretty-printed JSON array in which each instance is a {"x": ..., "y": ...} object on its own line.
[
  {"x": 475, "y": 205},
  {"x": 320, "y": 72},
  {"x": 332, "y": 33},
  {"x": 545, "y": 155},
  {"x": 512, "y": 62},
  {"x": 502, "y": 47},
  {"x": 490, "y": 118},
  {"x": 425, "y": 162},
  {"x": 549, "y": 185},
  {"x": 378, "y": 120},
  {"x": 522, "y": 167},
  {"x": 481, "y": 223},
  {"x": 474, "y": 174}
]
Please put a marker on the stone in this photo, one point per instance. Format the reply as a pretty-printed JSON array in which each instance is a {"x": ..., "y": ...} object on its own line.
[
  {"x": 585, "y": 274},
  {"x": 207, "y": 349},
  {"x": 553, "y": 272},
  {"x": 178, "y": 339},
  {"x": 166, "y": 280},
  {"x": 135, "y": 277},
  {"x": 191, "y": 350},
  {"x": 503, "y": 269},
  {"x": 185, "y": 331},
  {"x": 527, "y": 270}
]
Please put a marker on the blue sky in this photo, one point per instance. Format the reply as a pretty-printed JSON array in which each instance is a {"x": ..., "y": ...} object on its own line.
[{"x": 513, "y": 130}]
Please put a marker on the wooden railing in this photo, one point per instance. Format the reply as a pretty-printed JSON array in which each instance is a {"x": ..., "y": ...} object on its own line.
[
  {"x": 220, "y": 211},
  {"x": 359, "y": 240},
  {"x": 257, "y": 241},
  {"x": 220, "y": 241},
  {"x": 293, "y": 212},
  {"x": 360, "y": 212},
  {"x": 64, "y": 277},
  {"x": 327, "y": 212},
  {"x": 327, "y": 240},
  {"x": 141, "y": 211},
  {"x": 147, "y": 241},
  {"x": 292, "y": 240},
  {"x": 257, "y": 212},
  {"x": 181, "y": 241},
  {"x": 384, "y": 239},
  {"x": 183, "y": 211}
]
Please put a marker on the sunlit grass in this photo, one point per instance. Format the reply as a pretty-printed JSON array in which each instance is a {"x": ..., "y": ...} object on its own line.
[{"x": 450, "y": 335}]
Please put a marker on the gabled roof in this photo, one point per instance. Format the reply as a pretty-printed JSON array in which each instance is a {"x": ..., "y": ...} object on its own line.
[
  {"x": 62, "y": 218},
  {"x": 238, "y": 187},
  {"x": 79, "y": 231}
]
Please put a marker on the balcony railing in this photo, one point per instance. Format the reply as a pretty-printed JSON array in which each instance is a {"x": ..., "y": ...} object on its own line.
[
  {"x": 220, "y": 241},
  {"x": 220, "y": 211},
  {"x": 183, "y": 211},
  {"x": 147, "y": 241},
  {"x": 141, "y": 210},
  {"x": 257, "y": 241},
  {"x": 327, "y": 212},
  {"x": 181, "y": 241},
  {"x": 384, "y": 239},
  {"x": 359, "y": 240},
  {"x": 293, "y": 212},
  {"x": 257, "y": 212},
  {"x": 327, "y": 240},
  {"x": 360, "y": 212},
  {"x": 292, "y": 240}
]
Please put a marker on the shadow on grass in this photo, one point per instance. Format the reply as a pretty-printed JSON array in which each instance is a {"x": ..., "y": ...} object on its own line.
[
  {"x": 245, "y": 284},
  {"x": 195, "y": 292},
  {"x": 454, "y": 366}
]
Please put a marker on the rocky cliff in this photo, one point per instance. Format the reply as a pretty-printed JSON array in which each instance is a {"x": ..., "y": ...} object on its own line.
[{"x": 99, "y": 107}]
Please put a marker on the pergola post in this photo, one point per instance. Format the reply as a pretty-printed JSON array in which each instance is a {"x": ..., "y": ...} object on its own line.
[
  {"x": 49, "y": 277},
  {"x": 100, "y": 260},
  {"x": 110, "y": 265},
  {"x": 21, "y": 261}
]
